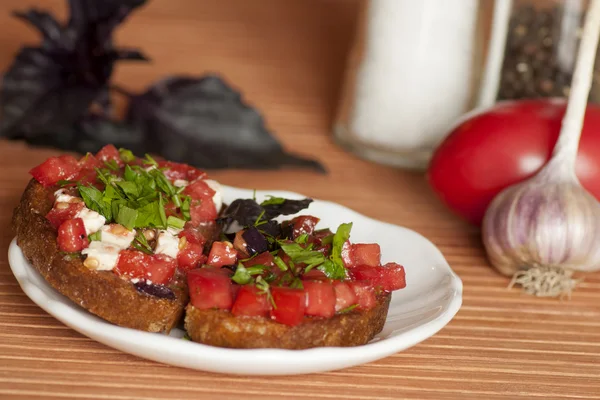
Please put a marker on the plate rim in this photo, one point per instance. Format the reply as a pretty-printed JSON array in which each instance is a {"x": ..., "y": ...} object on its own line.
[{"x": 339, "y": 357}]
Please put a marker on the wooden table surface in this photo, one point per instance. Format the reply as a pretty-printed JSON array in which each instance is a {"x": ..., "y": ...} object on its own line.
[{"x": 288, "y": 57}]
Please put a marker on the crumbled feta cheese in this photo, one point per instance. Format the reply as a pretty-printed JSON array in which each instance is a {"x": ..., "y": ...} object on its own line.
[
  {"x": 117, "y": 235},
  {"x": 101, "y": 256},
  {"x": 218, "y": 196},
  {"x": 180, "y": 183},
  {"x": 167, "y": 244},
  {"x": 174, "y": 231},
  {"x": 91, "y": 220}
]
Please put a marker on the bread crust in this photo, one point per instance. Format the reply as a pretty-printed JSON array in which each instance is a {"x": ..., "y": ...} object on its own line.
[
  {"x": 223, "y": 329},
  {"x": 102, "y": 293}
]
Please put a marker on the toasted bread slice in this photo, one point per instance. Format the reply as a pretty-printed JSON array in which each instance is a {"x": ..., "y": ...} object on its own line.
[
  {"x": 223, "y": 329},
  {"x": 101, "y": 292}
]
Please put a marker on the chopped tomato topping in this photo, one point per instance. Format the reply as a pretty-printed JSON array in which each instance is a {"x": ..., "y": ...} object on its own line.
[
  {"x": 202, "y": 208},
  {"x": 109, "y": 153},
  {"x": 210, "y": 288},
  {"x": 344, "y": 295},
  {"x": 365, "y": 294},
  {"x": 315, "y": 274},
  {"x": 190, "y": 256},
  {"x": 160, "y": 268},
  {"x": 251, "y": 302},
  {"x": 157, "y": 268},
  {"x": 89, "y": 162},
  {"x": 62, "y": 212},
  {"x": 365, "y": 254},
  {"x": 265, "y": 258},
  {"x": 367, "y": 273},
  {"x": 71, "y": 236},
  {"x": 393, "y": 277},
  {"x": 222, "y": 254},
  {"x": 320, "y": 298},
  {"x": 289, "y": 305},
  {"x": 346, "y": 254},
  {"x": 174, "y": 171},
  {"x": 55, "y": 169},
  {"x": 193, "y": 236},
  {"x": 304, "y": 224}
]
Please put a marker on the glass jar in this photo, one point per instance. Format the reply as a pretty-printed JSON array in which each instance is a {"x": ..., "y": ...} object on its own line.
[
  {"x": 541, "y": 46},
  {"x": 412, "y": 71}
]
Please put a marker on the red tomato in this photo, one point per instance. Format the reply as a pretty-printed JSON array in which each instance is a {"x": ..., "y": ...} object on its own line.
[
  {"x": 320, "y": 298},
  {"x": 55, "y": 169},
  {"x": 289, "y": 305},
  {"x": 393, "y": 277},
  {"x": 365, "y": 294},
  {"x": 199, "y": 190},
  {"x": 265, "y": 258},
  {"x": 210, "y": 288},
  {"x": 109, "y": 153},
  {"x": 365, "y": 254},
  {"x": 71, "y": 236},
  {"x": 346, "y": 254},
  {"x": 62, "y": 212},
  {"x": 367, "y": 273},
  {"x": 157, "y": 268},
  {"x": 250, "y": 302},
  {"x": 132, "y": 263},
  {"x": 160, "y": 269},
  {"x": 344, "y": 295},
  {"x": 221, "y": 254},
  {"x": 89, "y": 162},
  {"x": 173, "y": 171},
  {"x": 190, "y": 256},
  {"x": 193, "y": 236},
  {"x": 203, "y": 208},
  {"x": 315, "y": 274},
  {"x": 505, "y": 145},
  {"x": 304, "y": 224}
]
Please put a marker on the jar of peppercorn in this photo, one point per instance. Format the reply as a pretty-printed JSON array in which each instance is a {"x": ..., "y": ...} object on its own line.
[{"x": 538, "y": 41}]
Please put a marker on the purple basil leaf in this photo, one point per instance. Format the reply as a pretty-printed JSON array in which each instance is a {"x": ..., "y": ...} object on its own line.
[
  {"x": 205, "y": 123},
  {"x": 49, "y": 88},
  {"x": 247, "y": 211},
  {"x": 255, "y": 241},
  {"x": 160, "y": 291}
]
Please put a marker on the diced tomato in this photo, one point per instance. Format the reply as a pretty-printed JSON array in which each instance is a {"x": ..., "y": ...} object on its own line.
[
  {"x": 190, "y": 256},
  {"x": 304, "y": 224},
  {"x": 346, "y": 254},
  {"x": 393, "y": 277},
  {"x": 344, "y": 295},
  {"x": 62, "y": 212},
  {"x": 132, "y": 263},
  {"x": 161, "y": 269},
  {"x": 199, "y": 190},
  {"x": 365, "y": 254},
  {"x": 321, "y": 234},
  {"x": 289, "y": 305},
  {"x": 157, "y": 268},
  {"x": 170, "y": 209},
  {"x": 210, "y": 288},
  {"x": 315, "y": 274},
  {"x": 71, "y": 236},
  {"x": 367, "y": 273},
  {"x": 89, "y": 162},
  {"x": 193, "y": 236},
  {"x": 109, "y": 153},
  {"x": 88, "y": 177},
  {"x": 320, "y": 298},
  {"x": 265, "y": 258},
  {"x": 365, "y": 294},
  {"x": 325, "y": 250},
  {"x": 251, "y": 302},
  {"x": 203, "y": 211},
  {"x": 174, "y": 171},
  {"x": 221, "y": 254},
  {"x": 55, "y": 169}
]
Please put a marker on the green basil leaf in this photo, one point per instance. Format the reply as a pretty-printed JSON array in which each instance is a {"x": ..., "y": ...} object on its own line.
[
  {"x": 341, "y": 236},
  {"x": 149, "y": 215},
  {"x": 279, "y": 262},
  {"x": 241, "y": 276},
  {"x": 93, "y": 199},
  {"x": 185, "y": 208},
  {"x": 272, "y": 201},
  {"x": 96, "y": 236},
  {"x": 130, "y": 189},
  {"x": 126, "y": 217},
  {"x": 161, "y": 211},
  {"x": 126, "y": 155},
  {"x": 175, "y": 222},
  {"x": 129, "y": 174}
]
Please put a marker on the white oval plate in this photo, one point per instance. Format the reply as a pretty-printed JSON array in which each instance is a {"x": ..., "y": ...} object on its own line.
[{"x": 431, "y": 298}]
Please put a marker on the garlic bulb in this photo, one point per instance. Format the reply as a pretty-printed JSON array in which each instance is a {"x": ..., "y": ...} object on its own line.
[{"x": 543, "y": 229}]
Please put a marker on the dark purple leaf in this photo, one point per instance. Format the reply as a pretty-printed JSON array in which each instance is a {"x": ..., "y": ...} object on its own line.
[
  {"x": 205, "y": 123},
  {"x": 247, "y": 211},
  {"x": 49, "y": 88},
  {"x": 255, "y": 241},
  {"x": 159, "y": 291}
]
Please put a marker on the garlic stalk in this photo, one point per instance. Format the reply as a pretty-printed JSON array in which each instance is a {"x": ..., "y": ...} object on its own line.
[{"x": 542, "y": 230}]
